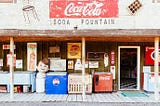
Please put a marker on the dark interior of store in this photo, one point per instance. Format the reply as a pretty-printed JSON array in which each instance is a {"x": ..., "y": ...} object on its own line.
[{"x": 128, "y": 68}]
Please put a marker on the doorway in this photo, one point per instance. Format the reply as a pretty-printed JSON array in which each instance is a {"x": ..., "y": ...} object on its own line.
[{"x": 129, "y": 67}]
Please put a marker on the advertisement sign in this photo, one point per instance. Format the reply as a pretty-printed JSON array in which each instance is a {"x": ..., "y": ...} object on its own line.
[
  {"x": 31, "y": 56},
  {"x": 19, "y": 63},
  {"x": 112, "y": 58},
  {"x": 113, "y": 71},
  {"x": 74, "y": 50},
  {"x": 93, "y": 64},
  {"x": 54, "y": 49},
  {"x": 9, "y": 61},
  {"x": 83, "y": 8},
  {"x": 70, "y": 64},
  {"x": 150, "y": 55},
  {"x": 7, "y": 46},
  {"x": 57, "y": 64}
]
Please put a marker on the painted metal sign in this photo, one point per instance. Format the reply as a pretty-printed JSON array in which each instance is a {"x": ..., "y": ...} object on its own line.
[
  {"x": 31, "y": 56},
  {"x": 112, "y": 58},
  {"x": 83, "y": 8},
  {"x": 150, "y": 56}
]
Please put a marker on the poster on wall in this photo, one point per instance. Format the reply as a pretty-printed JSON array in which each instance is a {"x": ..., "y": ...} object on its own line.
[
  {"x": 74, "y": 50},
  {"x": 70, "y": 64},
  {"x": 9, "y": 60},
  {"x": 113, "y": 71},
  {"x": 19, "y": 63},
  {"x": 7, "y": 47},
  {"x": 93, "y": 64},
  {"x": 31, "y": 56},
  {"x": 57, "y": 64},
  {"x": 54, "y": 49},
  {"x": 150, "y": 55},
  {"x": 1, "y": 62}
]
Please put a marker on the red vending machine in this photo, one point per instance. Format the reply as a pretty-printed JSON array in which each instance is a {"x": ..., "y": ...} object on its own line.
[{"x": 103, "y": 82}]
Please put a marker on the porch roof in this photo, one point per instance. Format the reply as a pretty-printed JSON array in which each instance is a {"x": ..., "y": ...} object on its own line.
[{"x": 112, "y": 35}]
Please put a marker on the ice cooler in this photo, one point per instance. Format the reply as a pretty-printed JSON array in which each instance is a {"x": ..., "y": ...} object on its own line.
[
  {"x": 56, "y": 83},
  {"x": 75, "y": 83},
  {"x": 149, "y": 82},
  {"x": 103, "y": 82}
]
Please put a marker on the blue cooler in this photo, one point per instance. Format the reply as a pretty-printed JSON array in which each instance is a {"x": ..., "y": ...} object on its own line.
[{"x": 56, "y": 83}]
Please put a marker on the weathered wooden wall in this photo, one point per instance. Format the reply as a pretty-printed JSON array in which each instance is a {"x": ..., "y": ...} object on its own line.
[
  {"x": 91, "y": 46},
  {"x": 43, "y": 50}
]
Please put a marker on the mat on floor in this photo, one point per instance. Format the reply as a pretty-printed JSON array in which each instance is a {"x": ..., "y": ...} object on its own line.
[{"x": 134, "y": 94}]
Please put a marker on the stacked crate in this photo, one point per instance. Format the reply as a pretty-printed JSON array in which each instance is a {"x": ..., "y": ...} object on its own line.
[{"x": 75, "y": 83}]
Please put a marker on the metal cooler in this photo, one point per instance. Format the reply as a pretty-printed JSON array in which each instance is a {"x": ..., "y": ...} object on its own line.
[
  {"x": 56, "y": 83},
  {"x": 75, "y": 83},
  {"x": 149, "y": 82},
  {"x": 103, "y": 82}
]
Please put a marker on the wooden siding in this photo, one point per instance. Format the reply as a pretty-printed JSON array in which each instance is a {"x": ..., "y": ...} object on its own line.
[{"x": 91, "y": 46}]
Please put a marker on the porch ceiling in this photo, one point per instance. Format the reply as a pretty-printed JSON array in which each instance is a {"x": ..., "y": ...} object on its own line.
[{"x": 117, "y": 35}]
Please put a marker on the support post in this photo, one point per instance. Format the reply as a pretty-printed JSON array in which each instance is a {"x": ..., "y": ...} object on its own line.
[
  {"x": 83, "y": 68},
  {"x": 11, "y": 68},
  {"x": 156, "y": 67}
]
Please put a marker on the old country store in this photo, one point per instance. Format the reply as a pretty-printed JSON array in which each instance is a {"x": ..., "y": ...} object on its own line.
[{"x": 112, "y": 40}]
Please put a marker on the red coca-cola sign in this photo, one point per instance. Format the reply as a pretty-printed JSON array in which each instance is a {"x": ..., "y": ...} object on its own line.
[
  {"x": 83, "y": 9},
  {"x": 150, "y": 56},
  {"x": 112, "y": 57}
]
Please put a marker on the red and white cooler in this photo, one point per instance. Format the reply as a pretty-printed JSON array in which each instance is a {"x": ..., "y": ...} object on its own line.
[{"x": 103, "y": 82}]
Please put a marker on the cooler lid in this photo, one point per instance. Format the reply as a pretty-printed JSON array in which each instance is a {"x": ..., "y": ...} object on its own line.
[
  {"x": 102, "y": 73},
  {"x": 57, "y": 73},
  {"x": 24, "y": 72}
]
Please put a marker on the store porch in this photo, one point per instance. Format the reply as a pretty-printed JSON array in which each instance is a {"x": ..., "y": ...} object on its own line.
[{"x": 114, "y": 98}]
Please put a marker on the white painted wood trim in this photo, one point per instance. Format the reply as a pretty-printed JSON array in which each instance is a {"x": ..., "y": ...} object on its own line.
[
  {"x": 11, "y": 68},
  {"x": 138, "y": 65},
  {"x": 83, "y": 68},
  {"x": 156, "y": 68}
]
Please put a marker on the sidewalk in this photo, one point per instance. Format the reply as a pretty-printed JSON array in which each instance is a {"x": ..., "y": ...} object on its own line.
[{"x": 95, "y": 99}]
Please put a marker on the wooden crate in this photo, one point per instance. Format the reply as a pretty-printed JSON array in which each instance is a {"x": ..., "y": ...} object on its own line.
[{"x": 75, "y": 83}]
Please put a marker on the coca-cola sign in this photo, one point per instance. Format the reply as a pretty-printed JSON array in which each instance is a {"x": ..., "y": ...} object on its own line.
[{"x": 83, "y": 9}]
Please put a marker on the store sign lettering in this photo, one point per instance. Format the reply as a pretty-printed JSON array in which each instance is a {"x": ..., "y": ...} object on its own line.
[
  {"x": 61, "y": 22},
  {"x": 83, "y": 9},
  {"x": 84, "y": 21}
]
